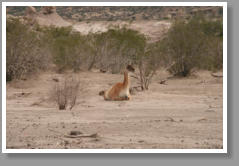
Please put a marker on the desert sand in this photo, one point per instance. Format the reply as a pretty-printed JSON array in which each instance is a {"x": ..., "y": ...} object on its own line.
[{"x": 183, "y": 113}]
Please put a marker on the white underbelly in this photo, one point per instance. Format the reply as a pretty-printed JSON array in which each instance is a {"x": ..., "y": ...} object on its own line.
[
  {"x": 124, "y": 92},
  {"x": 107, "y": 94}
]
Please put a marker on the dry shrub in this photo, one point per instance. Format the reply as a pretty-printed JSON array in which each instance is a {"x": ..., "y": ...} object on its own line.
[
  {"x": 194, "y": 44},
  {"x": 149, "y": 61},
  {"x": 67, "y": 47},
  {"x": 65, "y": 92},
  {"x": 25, "y": 52},
  {"x": 114, "y": 49}
]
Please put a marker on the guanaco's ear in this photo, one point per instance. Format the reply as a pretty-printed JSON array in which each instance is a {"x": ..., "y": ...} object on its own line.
[{"x": 130, "y": 68}]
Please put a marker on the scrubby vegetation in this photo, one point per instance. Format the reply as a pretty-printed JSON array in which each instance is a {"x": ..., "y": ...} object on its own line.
[
  {"x": 188, "y": 45},
  {"x": 194, "y": 44},
  {"x": 113, "y": 13},
  {"x": 65, "y": 93},
  {"x": 25, "y": 51},
  {"x": 65, "y": 47}
]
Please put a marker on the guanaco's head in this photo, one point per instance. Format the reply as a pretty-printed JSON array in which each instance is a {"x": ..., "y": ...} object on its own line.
[{"x": 130, "y": 68}]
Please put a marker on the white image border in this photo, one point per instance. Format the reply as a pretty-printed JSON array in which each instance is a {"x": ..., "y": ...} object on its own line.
[{"x": 223, "y": 4}]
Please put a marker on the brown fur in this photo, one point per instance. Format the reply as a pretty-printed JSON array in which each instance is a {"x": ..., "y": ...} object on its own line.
[{"x": 119, "y": 91}]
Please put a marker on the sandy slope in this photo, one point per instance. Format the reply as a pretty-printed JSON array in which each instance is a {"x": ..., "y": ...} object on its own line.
[
  {"x": 185, "y": 113},
  {"x": 150, "y": 28},
  {"x": 51, "y": 19}
]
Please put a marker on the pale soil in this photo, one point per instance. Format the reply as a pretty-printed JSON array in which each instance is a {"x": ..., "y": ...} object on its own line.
[
  {"x": 185, "y": 113},
  {"x": 52, "y": 19},
  {"x": 152, "y": 29}
]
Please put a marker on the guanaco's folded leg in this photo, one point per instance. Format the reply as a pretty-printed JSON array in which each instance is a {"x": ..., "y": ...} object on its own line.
[{"x": 122, "y": 98}]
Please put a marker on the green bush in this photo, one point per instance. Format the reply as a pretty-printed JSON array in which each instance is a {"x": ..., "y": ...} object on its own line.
[
  {"x": 128, "y": 45},
  {"x": 95, "y": 48},
  {"x": 25, "y": 52},
  {"x": 194, "y": 44},
  {"x": 114, "y": 49},
  {"x": 66, "y": 47}
]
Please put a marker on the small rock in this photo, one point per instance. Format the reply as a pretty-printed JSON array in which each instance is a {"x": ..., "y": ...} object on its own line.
[
  {"x": 96, "y": 139},
  {"x": 75, "y": 133},
  {"x": 210, "y": 110},
  {"x": 103, "y": 71},
  {"x": 140, "y": 141},
  {"x": 202, "y": 120},
  {"x": 55, "y": 79}
]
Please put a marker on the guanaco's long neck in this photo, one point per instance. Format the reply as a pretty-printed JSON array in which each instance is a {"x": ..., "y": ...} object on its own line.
[{"x": 126, "y": 79}]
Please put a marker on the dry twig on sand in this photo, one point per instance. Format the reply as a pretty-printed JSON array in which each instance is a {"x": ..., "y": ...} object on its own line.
[
  {"x": 94, "y": 135},
  {"x": 216, "y": 75}
]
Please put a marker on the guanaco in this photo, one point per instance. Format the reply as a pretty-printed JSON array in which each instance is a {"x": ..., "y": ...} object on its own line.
[{"x": 120, "y": 91}]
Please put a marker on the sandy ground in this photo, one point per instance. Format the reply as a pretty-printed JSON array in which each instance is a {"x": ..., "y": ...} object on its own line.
[
  {"x": 185, "y": 113},
  {"x": 152, "y": 29}
]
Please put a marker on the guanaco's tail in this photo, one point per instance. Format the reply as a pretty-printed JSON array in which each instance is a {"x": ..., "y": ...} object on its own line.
[{"x": 102, "y": 93}]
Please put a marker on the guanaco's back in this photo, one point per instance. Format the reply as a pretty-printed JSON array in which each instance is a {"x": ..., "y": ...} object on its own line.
[{"x": 120, "y": 91}]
